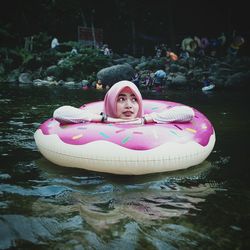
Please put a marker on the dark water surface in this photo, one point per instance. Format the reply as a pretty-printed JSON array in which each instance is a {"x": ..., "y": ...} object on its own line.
[{"x": 43, "y": 206}]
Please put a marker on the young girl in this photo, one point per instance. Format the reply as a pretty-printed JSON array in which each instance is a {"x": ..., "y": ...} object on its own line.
[{"x": 123, "y": 104}]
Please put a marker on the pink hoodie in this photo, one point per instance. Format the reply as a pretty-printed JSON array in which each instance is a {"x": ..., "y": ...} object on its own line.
[{"x": 111, "y": 98}]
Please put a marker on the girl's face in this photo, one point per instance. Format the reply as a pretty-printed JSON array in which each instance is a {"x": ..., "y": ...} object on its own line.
[{"x": 127, "y": 106}]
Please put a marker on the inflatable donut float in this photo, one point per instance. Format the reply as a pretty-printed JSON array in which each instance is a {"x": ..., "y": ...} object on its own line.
[{"x": 127, "y": 149}]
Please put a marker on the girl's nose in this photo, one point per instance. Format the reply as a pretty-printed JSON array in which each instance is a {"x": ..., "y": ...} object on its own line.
[{"x": 128, "y": 103}]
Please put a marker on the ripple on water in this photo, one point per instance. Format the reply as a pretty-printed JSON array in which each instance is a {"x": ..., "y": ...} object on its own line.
[
  {"x": 37, "y": 230},
  {"x": 44, "y": 191},
  {"x": 179, "y": 237},
  {"x": 22, "y": 138}
]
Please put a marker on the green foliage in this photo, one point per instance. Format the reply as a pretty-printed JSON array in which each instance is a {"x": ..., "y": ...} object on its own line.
[
  {"x": 67, "y": 64},
  {"x": 49, "y": 58},
  {"x": 41, "y": 42},
  {"x": 25, "y": 55},
  {"x": 82, "y": 64}
]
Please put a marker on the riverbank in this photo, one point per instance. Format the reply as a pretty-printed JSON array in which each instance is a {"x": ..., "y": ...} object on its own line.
[{"x": 73, "y": 64}]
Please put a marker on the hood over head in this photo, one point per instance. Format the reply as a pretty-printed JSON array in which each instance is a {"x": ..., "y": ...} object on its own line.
[{"x": 111, "y": 98}]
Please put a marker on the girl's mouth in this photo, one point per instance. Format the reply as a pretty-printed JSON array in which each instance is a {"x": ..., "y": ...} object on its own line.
[{"x": 128, "y": 113}]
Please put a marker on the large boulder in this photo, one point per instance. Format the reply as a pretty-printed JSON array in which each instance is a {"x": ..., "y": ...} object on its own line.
[
  {"x": 179, "y": 80},
  {"x": 116, "y": 73},
  {"x": 25, "y": 78},
  {"x": 53, "y": 70},
  {"x": 238, "y": 80}
]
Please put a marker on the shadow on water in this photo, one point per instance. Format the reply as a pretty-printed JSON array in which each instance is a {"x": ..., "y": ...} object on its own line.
[{"x": 44, "y": 206}]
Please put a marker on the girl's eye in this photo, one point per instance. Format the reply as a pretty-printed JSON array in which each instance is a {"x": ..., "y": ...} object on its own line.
[
  {"x": 121, "y": 99},
  {"x": 134, "y": 100}
]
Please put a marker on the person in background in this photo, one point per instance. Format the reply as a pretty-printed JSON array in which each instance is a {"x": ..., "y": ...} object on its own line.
[
  {"x": 99, "y": 85},
  {"x": 170, "y": 54},
  {"x": 136, "y": 79},
  {"x": 149, "y": 81},
  {"x": 184, "y": 55},
  {"x": 222, "y": 39},
  {"x": 123, "y": 104},
  {"x": 160, "y": 78},
  {"x": 73, "y": 52},
  {"x": 106, "y": 50},
  {"x": 54, "y": 43},
  {"x": 235, "y": 46},
  {"x": 206, "y": 81}
]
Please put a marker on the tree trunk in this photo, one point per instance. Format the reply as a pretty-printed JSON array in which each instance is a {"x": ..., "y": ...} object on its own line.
[
  {"x": 83, "y": 19},
  {"x": 133, "y": 37}
]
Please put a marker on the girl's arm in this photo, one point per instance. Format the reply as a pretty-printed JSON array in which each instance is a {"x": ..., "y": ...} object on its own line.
[
  {"x": 175, "y": 114},
  {"x": 69, "y": 114}
]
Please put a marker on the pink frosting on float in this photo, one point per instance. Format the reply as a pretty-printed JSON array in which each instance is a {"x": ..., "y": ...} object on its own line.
[{"x": 134, "y": 137}]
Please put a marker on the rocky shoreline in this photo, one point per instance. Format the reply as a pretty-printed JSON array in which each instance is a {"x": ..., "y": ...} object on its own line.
[{"x": 88, "y": 65}]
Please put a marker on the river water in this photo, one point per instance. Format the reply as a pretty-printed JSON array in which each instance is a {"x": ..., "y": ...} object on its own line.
[{"x": 44, "y": 206}]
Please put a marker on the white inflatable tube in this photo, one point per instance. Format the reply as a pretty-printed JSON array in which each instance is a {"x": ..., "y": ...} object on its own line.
[{"x": 104, "y": 156}]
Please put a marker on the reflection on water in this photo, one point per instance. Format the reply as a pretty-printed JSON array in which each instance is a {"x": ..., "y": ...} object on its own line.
[
  {"x": 44, "y": 206},
  {"x": 98, "y": 205}
]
